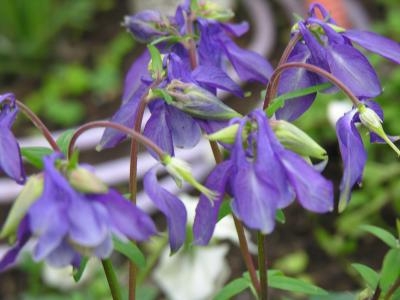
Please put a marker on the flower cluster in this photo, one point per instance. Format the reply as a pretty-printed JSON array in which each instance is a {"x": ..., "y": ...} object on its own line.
[{"x": 67, "y": 223}]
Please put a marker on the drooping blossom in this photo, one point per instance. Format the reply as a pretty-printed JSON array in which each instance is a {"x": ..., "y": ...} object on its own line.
[
  {"x": 331, "y": 48},
  {"x": 66, "y": 224},
  {"x": 262, "y": 177},
  {"x": 10, "y": 153}
]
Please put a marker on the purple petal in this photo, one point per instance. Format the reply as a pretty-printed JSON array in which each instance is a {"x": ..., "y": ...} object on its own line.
[
  {"x": 250, "y": 66},
  {"x": 170, "y": 206},
  {"x": 105, "y": 249},
  {"x": 185, "y": 131},
  {"x": 236, "y": 29},
  {"x": 255, "y": 195},
  {"x": 351, "y": 67},
  {"x": 255, "y": 199},
  {"x": 296, "y": 79},
  {"x": 158, "y": 130},
  {"x": 375, "y": 43},
  {"x": 313, "y": 191},
  {"x": 133, "y": 77},
  {"x": 353, "y": 153},
  {"x": 318, "y": 52},
  {"x": 207, "y": 211},
  {"x": 62, "y": 256},
  {"x": 93, "y": 230},
  {"x": 23, "y": 236},
  {"x": 178, "y": 68},
  {"x": 209, "y": 49},
  {"x": 10, "y": 155},
  {"x": 125, "y": 218},
  {"x": 216, "y": 78},
  {"x": 126, "y": 116},
  {"x": 325, "y": 14}
]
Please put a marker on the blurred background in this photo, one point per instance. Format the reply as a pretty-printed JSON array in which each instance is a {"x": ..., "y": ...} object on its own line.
[{"x": 66, "y": 60}]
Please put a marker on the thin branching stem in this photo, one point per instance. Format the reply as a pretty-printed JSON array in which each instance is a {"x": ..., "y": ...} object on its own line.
[
  {"x": 262, "y": 265},
  {"x": 272, "y": 84},
  {"x": 38, "y": 124}
]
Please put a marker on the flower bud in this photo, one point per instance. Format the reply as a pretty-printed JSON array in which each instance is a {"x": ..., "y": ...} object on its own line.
[
  {"x": 296, "y": 140},
  {"x": 370, "y": 119},
  {"x": 86, "y": 182},
  {"x": 181, "y": 170},
  {"x": 214, "y": 11},
  {"x": 29, "y": 194},
  {"x": 199, "y": 102},
  {"x": 226, "y": 135},
  {"x": 147, "y": 25}
]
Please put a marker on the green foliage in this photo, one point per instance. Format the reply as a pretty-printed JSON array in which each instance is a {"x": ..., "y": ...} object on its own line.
[
  {"x": 131, "y": 251},
  {"x": 369, "y": 275},
  {"x": 34, "y": 155},
  {"x": 233, "y": 288}
]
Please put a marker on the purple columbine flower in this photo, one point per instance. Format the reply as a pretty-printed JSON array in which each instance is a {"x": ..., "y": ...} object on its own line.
[
  {"x": 10, "y": 153},
  {"x": 261, "y": 176},
  {"x": 67, "y": 224},
  {"x": 330, "y": 47},
  {"x": 351, "y": 146}
]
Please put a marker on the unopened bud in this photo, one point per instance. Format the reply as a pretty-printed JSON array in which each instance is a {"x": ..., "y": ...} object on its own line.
[
  {"x": 86, "y": 182},
  {"x": 29, "y": 194},
  {"x": 147, "y": 25},
  {"x": 214, "y": 11},
  {"x": 370, "y": 119},
  {"x": 296, "y": 140},
  {"x": 181, "y": 171},
  {"x": 199, "y": 102},
  {"x": 226, "y": 135}
]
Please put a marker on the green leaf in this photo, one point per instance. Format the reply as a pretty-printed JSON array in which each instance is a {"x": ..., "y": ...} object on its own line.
[
  {"x": 225, "y": 209},
  {"x": 280, "y": 216},
  {"x": 369, "y": 275},
  {"x": 233, "y": 288},
  {"x": 278, "y": 102},
  {"x": 156, "y": 60},
  {"x": 131, "y": 251},
  {"x": 64, "y": 139},
  {"x": 390, "y": 269},
  {"x": 382, "y": 234},
  {"x": 77, "y": 272},
  {"x": 283, "y": 282},
  {"x": 34, "y": 155}
]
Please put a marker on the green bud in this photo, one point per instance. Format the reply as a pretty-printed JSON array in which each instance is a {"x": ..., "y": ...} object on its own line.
[
  {"x": 214, "y": 11},
  {"x": 296, "y": 140},
  {"x": 199, "y": 102},
  {"x": 370, "y": 119},
  {"x": 226, "y": 135},
  {"x": 181, "y": 171},
  {"x": 29, "y": 194},
  {"x": 86, "y": 182}
]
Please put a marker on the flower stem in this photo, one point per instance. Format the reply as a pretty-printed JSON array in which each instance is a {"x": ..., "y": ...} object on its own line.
[
  {"x": 130, "y": 132},
  {"x": 132, "y": 280},
  {"x": 38, "y": 124},
  {"x": 262, "y": 265},
  {"x": 272, "y": 84},
  {"x": 112, "y": 280}
]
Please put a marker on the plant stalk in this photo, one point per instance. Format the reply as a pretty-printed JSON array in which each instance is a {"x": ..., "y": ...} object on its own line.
[
  {"x": 38, "y": 124},
  {"x": 262, "y": 265},
  {"x": 112, "y": 280}
]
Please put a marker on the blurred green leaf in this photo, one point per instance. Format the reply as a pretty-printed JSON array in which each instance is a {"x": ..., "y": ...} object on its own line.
[
  {"x": 64, "y": 139},
  {"x": 34, "y": 155},
  {"x": 382, "y": 234},
  {"x": 78, "y": 272},
  {"x": 369, "y": 275},
  {"x": 390, "y": 269},
  {"x": 233, "y": 288},
  {"x": 294, "y": 285},
  {"x": 131, "y": 251}
]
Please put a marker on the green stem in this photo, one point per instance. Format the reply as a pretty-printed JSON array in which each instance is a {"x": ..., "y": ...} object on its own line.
[
  {"x": 112, "y": 280},
  {"x": 262, "y": 265},
  {"x": 272, "y": 84},
  {"x": 38, "y": 124}
]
